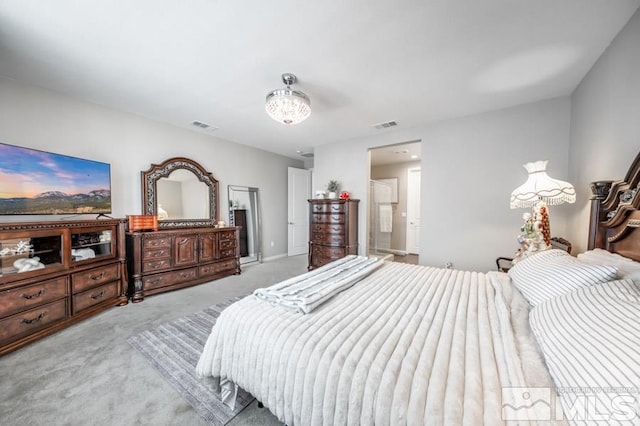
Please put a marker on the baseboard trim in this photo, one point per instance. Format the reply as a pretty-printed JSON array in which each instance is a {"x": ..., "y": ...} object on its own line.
[
  {"x": 394, "y": 251},
  {"x": 276, "y": 257}
]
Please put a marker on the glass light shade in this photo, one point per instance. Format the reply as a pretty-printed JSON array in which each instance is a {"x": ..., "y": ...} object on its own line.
[
  {"x": 540, "y": 187},
  {"x": 288, "y": 106}
]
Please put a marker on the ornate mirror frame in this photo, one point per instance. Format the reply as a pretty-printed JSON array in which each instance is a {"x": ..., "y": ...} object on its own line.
[{"x": 150, "y": 178}]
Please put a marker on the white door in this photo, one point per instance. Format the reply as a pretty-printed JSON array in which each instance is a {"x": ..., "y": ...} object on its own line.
[
  {"x": 413, "y": 211},
  {"x": 298, "y": 211}
]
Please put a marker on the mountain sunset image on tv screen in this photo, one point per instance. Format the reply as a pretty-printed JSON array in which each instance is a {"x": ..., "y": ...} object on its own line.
[{"x": 34, "y": 182}]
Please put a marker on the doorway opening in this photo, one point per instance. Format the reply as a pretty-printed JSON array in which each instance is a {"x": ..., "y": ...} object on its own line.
[{"x": 394, "y": 202}]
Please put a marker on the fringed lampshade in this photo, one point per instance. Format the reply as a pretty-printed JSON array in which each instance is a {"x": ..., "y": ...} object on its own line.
[
  {"x": 541, "y": 187},
  {"x": 539, "y": 191}
]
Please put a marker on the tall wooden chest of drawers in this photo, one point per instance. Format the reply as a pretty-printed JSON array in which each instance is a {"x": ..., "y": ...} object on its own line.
[{"x": 333, "y": 230}]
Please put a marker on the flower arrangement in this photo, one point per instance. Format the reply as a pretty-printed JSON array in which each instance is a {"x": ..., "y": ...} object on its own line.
[{"x": 333, "y": 185}]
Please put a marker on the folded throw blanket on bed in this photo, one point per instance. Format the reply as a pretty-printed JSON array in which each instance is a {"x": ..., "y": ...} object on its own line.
[{"x": 306, "y": 292}]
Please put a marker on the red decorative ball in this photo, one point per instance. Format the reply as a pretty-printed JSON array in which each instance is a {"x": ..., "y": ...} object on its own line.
[{"x": 344, "y": 195}]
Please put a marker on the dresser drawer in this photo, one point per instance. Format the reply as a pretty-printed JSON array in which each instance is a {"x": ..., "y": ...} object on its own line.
[
  {"x": 156, "y": 254},
  {"x": 216, "y": 268},
  {"x": 329, "y": 252},
  {"x": 327, "y": 228},
  {"x": 85, "y": 280},
  {"x": 156, "y": 265},
  {"x": 19, "y": 299},
  {"x": 227, "y": 235},
  {"x": 327, "y": 218},
  {"x": 225, "y": 244},
  {"x": 97, "y": 295},
  {"x": 155, "y": 243},
  {"x": 230, "y": 252},
  {"x": 322, "y": 238},
  {"x": 225, "y": 265},
  {"x": 168, "y": 278},
  {"x": 30, "y": 321},
  {"x": 328, "y": 208}
]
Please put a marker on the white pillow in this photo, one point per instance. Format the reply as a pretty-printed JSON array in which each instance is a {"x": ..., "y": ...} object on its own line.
[
  {"x": 589, "y": 339},
  {"x": 627, "y": 268},
  {"x": 551, "y": 273}
]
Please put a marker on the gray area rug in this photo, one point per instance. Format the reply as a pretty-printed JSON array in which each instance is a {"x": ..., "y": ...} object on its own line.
[{"x": 174, "y": 349}]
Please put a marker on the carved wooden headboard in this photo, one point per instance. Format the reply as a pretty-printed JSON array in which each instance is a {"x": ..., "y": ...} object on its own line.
[{"x": 615, "y": 214}]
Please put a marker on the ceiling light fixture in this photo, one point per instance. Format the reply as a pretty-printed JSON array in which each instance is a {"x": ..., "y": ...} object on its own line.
[{"x": 286, "y": 105}]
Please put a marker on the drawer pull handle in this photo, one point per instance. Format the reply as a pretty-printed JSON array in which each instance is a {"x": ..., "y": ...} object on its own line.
[
  {"x": 156, "y": 281},
  {"x": 33, "y": 320},
  {"x": 97, "y": 277},
  {"x": 97, "y": 296},
  {"x": 33, "y": 296}
]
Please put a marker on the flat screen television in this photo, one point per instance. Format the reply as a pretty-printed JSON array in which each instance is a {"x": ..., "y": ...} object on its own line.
[{"x": 34, "y": 182}]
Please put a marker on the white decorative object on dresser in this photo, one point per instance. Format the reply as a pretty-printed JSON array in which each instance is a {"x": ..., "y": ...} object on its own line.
[{"x": 45, "y": 285}]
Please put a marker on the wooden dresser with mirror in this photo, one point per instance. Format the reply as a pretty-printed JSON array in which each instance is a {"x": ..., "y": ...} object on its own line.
[{"x": 188, "y": 247}]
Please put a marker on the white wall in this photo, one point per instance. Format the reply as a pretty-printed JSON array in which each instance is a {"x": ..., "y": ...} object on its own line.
[
  {"x": 605, "y": 123},
  {"x": 472, "y": 164},
  {"x": 37, "y": 118},
  {"x": 469, "y": 168}
]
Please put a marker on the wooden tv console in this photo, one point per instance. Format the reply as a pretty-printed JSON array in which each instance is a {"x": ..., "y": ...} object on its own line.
[{"x": 81, "y": 272}]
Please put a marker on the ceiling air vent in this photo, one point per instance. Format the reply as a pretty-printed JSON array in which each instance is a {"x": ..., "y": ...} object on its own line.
[
  {"x": 385, "y": 125},
  {"x": 203, "y": 126},
  {"x": 307, "y": 154}
]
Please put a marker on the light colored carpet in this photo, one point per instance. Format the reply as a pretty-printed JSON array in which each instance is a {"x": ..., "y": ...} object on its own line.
[
  {"x": 174, "y": 348},
  {"x": 89, "y": 374}
]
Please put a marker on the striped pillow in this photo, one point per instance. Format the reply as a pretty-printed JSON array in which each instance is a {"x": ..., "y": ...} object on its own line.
[
  {"x": 551, "y": 273},
  {"x": 627, "y": 268},
  {"x": 589, "y": 339}
]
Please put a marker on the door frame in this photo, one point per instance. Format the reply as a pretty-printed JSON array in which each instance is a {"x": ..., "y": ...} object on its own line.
[
  {"x": 411, "y": 197},
  {"x": 302, "y": 222}
]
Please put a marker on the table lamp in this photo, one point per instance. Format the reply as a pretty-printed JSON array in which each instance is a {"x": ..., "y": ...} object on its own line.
[{"x": 539, "y": 191}]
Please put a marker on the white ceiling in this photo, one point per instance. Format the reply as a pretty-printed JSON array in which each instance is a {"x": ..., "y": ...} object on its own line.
[{"x": 362, "y": 62}]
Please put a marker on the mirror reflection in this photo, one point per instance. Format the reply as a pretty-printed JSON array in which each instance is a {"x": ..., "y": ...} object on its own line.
[
  {"x": 181, "y": 192},
  {"x": 244, "y": 211},
  {"x": 182, "y": 196}
]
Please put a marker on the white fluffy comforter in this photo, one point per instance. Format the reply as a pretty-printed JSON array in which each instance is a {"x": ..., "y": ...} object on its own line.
[{"x": 407, "y": 345}]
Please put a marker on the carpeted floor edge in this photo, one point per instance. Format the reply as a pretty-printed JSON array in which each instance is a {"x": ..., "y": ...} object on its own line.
[{"x": 173, "y": 349}]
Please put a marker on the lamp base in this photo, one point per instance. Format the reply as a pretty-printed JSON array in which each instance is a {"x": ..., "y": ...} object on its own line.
[
  {"x": 536, "y": 232},
  {"x": 542, "y": 217}
]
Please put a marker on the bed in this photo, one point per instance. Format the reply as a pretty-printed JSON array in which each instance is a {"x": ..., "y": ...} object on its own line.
[{"x": 553, "y": 341}]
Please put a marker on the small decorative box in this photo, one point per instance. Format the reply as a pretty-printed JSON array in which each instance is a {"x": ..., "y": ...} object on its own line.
[{"x": 143, "y": 222}]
